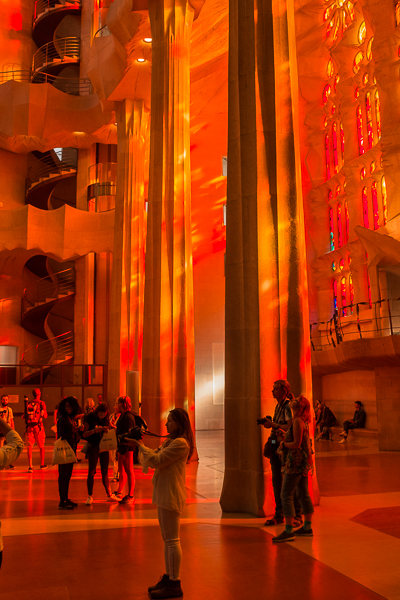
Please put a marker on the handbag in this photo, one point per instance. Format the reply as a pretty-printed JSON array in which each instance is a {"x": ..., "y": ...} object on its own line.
[
  {"x": 63, "y": 453},
  {"x": 272, "y": 444},
  {"x": 108, "y": 441}
]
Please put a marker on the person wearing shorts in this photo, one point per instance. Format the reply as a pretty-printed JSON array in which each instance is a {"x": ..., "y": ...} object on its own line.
[{"x": 34, "y": 413}]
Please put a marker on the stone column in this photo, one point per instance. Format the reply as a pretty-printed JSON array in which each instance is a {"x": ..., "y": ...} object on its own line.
[
  {"x": 127, "y": 285},
  {"x": 168, "y": 343},
  {"x": 267, "y": 333}
]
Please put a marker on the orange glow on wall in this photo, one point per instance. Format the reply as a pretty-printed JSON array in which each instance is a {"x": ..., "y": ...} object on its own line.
[{"x": 16, "y": 21}]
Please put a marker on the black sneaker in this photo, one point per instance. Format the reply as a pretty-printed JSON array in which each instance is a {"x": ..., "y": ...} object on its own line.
[
  {"x": 65, "y": 506},
  {"x": 304, "y": 532},
  {"x": 171, "y": 590},
  {"x": 11, "y": 467},
  {"x": 162, "y": 582},
  {"x": 30, "y": 470},
  {"x": 284, "y": 537},
  {"x": 73, "y": 504},
  {"x": 276, "y": 520},
  {"x": 43, "y": 467},
  {"x": 126, "y": 499}
]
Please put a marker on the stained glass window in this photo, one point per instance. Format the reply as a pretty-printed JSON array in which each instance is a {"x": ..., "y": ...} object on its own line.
[
  {"x": 335, "y": 148},
  {"x": 330, "y": 68},
  {"x": 339, "y": 225},
  {"x": 362, "y": 33},
  {"x": 360, "y": 133},
  {"x": 359, "y": 57},
  {"x": 343, "y": 294},
  {"x": 378, "y": 115},
  {"x": 384, "y": 200},
  {"x": 369, "y": 49},
  {"x": 331, "y": 229},
  {"x": 365, "y": 207},
  {"x": 326, "y": 93},
  {"x": 335, "y": 303},
  {"x": 368, "y": 110},
  {"x": 375, "y": 207},
  {"x": 342, "y": 141},
  {"x": 347, "y": 221},
  {"x": 327, "y": 157},
  {"x": 351, "y": 292},
  {"x": 397, "y": 13},
  {"x": 341, "y": 264}
]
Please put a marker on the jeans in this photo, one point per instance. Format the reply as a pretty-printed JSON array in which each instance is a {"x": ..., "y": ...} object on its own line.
[
  {"x": 291, "y": 482},
  {"x": 277, "y": 478},
  {"x": 64, "y": 476},
  {"x": 348, "y": 425},
  {"x": 170, "y": 524},
  {"x": 93, "y": 457}
]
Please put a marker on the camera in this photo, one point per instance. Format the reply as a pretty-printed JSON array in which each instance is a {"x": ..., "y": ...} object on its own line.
[
  {"x": 135, "y": 433},
  {"x": 263, "y": 420}
]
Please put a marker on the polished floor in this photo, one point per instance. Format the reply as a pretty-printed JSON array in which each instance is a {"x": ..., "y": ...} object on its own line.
[{"x": 109, "y": 551}]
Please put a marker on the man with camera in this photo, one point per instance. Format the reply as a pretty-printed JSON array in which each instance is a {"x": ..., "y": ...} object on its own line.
[
  {"x": 8, "y": 455},
  {"x": 281, "y": 421}
]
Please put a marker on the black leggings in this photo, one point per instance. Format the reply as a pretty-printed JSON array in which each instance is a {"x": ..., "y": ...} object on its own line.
[
  {"x": 93, "y": 456},
  {"x": 64, "y": 476}
]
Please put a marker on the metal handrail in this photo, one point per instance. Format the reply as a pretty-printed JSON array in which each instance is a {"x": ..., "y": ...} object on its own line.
[
  {"x": 102, "y": 32},
  {"x": 52, "y": 166},
  {"x": 49, "y": 352},
  {"x": 103, "y": 173},
  {"x": 63, "y": 50},
  {"x": 68, "y": 85},
  {"x": 42, "y": 6},
  {"x": 46, "y": 289},
  {"x": 346, "y": 324}
]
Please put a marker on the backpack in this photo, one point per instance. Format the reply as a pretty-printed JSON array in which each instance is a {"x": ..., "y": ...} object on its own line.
[{"x": 32, "y": 413}]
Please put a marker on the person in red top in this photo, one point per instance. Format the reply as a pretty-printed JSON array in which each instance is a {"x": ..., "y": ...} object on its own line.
[{"x": 34, "y": 413}]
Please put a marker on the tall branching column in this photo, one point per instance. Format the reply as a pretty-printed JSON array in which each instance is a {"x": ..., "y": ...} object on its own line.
[
  {"x": 127, "y": 290},
  {"x": 168, "y": 345},
  {"x": 266, "y": 292}
]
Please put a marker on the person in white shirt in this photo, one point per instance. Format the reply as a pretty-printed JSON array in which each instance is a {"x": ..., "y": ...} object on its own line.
[
  {"x": 169, "y": 494},
  {"x": 8, "y": 455}
]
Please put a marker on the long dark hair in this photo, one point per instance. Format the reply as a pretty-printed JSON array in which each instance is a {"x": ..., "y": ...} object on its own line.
[
  {"x": 76, "y": 409},
  {"x": 181, "y": 418},
  {"x": 100, "y": 408}
]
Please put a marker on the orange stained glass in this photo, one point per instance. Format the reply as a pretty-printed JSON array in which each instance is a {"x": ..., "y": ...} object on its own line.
[
  {"x": 360, "y": 133},
  {"x": 397, "y": 9},
  {"x": 369, "y": 49},
  {"x": 351, "y": 292},
  {"x": 365, "y": 79},
  {"x": 359, "y": 57},
  {"x": 378, "y": 115},
  {"x": 372, "y": 167},
  {"x": 363, "y": 173},
  {"x": 335, "y": 83},
  {"x": 356, "y": 93},
  {"x": 341, "y": 264},
  {"x": 347, "y": 223},
  {"x": 335, "y": 148},
  {"x": 365, "y": 207},
  {"x": 375, "y": 205},
  {"x": 339, "y": 15},
  {"x": 326, "y": 93},
  {"x": 327, "y": 157},
  {"x": 368, "y": 110},
  {"x": 362, "y": 33},
  {"x": 330, "y": 68},
  {"x": 343, "y": 294},
  {"x": 384, "y": 199},
  {"x": 339, "y": 225}
]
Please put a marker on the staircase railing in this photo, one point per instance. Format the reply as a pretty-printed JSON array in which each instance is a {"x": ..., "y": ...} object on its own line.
[
  {"x": 68, "y": 85},
  {"x": 63, "y": 50},
  {"x": 46, "y": 289},
  {"x": 42, "y": 6},
  {"x": 50, "y": 352},
  {"x": 52, "y": 165}
]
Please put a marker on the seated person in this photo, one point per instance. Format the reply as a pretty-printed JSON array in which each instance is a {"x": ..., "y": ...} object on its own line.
[
  {"x": 357, "y": 422},
  {"x": 325, "y": 421}
]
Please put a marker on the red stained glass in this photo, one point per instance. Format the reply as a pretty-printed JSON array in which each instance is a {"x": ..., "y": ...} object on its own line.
[
  {"x": 351, "y": 291},
  {"x": 343, "y": 294},
  {"x": 384, "y": 200},
  {"x": 365, "y": 207},
  {"x": 375, "y": 207},
  {"x": 368, "y": 110},
  {"x": 331, "y": 230},
  {"x": 378, "y": 115},
  {"x": 347, "y": 222},
  {"x": 342, "y": 141},
  {"x": 335, "y": 148},
  {"x": 339, "y": 225},
  {"x": 360, "y": 133},
  {"x": 327, "y": 157}
]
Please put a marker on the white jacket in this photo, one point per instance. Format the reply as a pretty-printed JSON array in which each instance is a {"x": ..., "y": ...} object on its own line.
[
  {"x": 9, "y": 454},
  {"x": 169, "y": 477}
]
